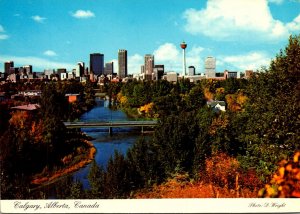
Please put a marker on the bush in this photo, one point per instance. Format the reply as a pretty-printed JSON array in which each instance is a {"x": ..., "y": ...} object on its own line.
[
  {"x": 222, "y": 170},
  {"x": 286, "y": 181}
]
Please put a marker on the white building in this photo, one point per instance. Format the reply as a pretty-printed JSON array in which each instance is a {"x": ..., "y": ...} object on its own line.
[
  {"x": 210, "y": 67},
  {"x": 171, "y": 77}
]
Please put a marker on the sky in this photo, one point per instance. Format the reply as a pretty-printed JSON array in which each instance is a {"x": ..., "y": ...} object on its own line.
[{"x": 240, "y": 34}]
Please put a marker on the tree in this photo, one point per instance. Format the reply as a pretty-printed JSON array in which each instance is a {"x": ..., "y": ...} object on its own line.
[
  {"x": 76, "y": 191},
  {"x": 89, "y": 94},
  {"x": 271, "y": 130},
  {"x": 96, "y": 180}
]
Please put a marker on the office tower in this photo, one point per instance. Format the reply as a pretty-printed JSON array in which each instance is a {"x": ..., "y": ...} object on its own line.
[
  {"x": 97, "y": 64},
  {"x": 7, "y": 66},
  {"x": 27, "y": 69},
  {"x": 122, "y": 60},
  {"x": 192, "y": 71},
  {"x": 158, "y": 71},
  {"x": 79, "y": 69},
  {"x": 210, "y": 67},
  {"x": 149, "y": 65},
  {"x": 61, "y": 70},
  {"x": 183, "y": 45},
  {"x": 109, "y": 68},
  {"x": 142, "y": 69}
]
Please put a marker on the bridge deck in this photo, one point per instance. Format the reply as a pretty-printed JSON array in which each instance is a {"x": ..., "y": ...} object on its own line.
[{"x": 109, "y": 124}]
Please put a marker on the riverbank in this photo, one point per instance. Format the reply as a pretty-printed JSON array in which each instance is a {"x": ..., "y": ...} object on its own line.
[{"x": 70, "y": 169}]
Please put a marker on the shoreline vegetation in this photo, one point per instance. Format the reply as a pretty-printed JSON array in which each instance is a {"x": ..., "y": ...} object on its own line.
[{"x": 40, "y": 181}]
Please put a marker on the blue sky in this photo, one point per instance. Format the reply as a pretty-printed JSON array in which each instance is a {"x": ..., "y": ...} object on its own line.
[{"x": 58, "y": 33}]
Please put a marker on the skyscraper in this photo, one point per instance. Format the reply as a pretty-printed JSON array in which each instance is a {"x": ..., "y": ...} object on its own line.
[
  {"x": 149, "y": 65},
  {"x": 158, "y": 71},
  {"x": 79, "y": 69},
  {"x": 109, "y": 68},
  {"x": 210, "y": 67},
  {"x": 28, "y": 69},
  {"x": 122, "y": 59},
  {"x": 97, "y": 63},
  {"x": 7, "y": 66}
]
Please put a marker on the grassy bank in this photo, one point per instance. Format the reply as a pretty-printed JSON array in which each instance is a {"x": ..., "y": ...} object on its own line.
[{"x": 50, "y": 177}]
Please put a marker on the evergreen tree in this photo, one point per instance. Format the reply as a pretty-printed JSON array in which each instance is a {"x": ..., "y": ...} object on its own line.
[{"x": 96, "y": 180}]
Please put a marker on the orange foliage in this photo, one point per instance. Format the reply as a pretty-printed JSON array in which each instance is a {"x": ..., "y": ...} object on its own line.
[
  {"x": 146, "y": 108},
  {"x": 222, "y": 179},
  {"x": 19, "y": 119},
  {"x": 235, "y": 102},
  {"x": 219, "y": 122},
  {"x": 26, "y": 127},
  {"x": 208, "y": 94},
  {"x": 122, "y": 99},
  {"x": 286, "y": 181},
  {"x": 177, "y": 189},
  {"x": 220, "y": 90},
  {"x": 241, "y": 99},
  {"x": 222, "y": 170},
  {"x": 36, "y": 131}
]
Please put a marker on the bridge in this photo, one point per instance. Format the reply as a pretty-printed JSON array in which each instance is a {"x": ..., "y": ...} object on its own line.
[{"x": 111, "y": 124}]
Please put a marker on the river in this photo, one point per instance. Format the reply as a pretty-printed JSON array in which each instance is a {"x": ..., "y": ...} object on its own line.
[{"x": 106, "y": 144}]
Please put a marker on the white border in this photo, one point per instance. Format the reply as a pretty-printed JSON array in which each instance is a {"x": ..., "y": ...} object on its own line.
[{"x": 233, "y": 205}]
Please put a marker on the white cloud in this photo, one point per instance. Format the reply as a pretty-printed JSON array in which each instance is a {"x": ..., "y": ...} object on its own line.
[
  {"x": 38, "y": 19},
  {"x": 1, "y": 29},
  {"x": 39, "y": 64},
  {"x": 50, "y": 53},
  {"x": 167, "y": 52},
  {"x": 194, "y": 58},
  {"x": 236, "y": 20},
  {"x": 134, "y": 64},
  {"x": 171, "y": 56},
  {"x": 249, "y": 61},
  {"x": 295, "y": 24},
  {"x": 83, "y": 14},
  {"x": 3, "y": 36}
]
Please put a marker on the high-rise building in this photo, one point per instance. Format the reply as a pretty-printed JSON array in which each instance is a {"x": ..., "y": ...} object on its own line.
[
  {"x": 109, "y": 68},
  {"x": 122, "y": 60},
  {"x": 97, "y": 64},
  {"x": 142, "y": 69},
  {"x": 79, "y": 69},
  {"x": 28, "y": 69},
  {"x": 61, "y": 70},
  {"x": 7, "y": 66},
  {"x": 149, "y": 65},
  {"x": 210, "y": 67},
  {"x": 158, "y": 71},
  {"x": 192, "y": 71}
]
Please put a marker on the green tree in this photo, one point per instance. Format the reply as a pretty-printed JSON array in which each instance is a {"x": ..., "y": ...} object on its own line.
[
  {"x": 117, "y": 183},
  {"x": 96, "y": 180},
  {"x": 271, "y": 131},
  {"x": 76, "y": 191},
  {"x": 89, "y": 94}
]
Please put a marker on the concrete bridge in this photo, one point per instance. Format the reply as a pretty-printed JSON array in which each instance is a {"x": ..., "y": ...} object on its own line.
[{"x": 111, "y": 124}]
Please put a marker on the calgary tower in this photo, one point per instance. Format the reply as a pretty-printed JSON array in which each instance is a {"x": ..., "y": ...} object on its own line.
[{"x": 183, "y": 45}]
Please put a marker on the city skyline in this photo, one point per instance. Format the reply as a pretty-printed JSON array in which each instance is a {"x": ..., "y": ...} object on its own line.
[{"x": 54, "y": 34}]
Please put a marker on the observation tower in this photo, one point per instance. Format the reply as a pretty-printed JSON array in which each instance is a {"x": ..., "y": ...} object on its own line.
[{"x": 183, "y": 45}]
